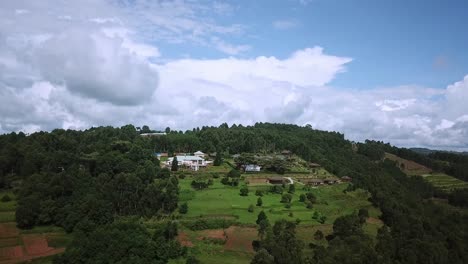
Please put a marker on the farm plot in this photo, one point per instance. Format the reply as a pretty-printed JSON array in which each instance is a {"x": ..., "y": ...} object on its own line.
[{"x": 445, "y": 182}]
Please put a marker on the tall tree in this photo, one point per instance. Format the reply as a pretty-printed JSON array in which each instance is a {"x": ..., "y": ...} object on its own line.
[{"x": 175, "y": 164}]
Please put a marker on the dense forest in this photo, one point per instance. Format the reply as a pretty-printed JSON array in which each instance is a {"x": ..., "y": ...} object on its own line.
[{"x": 88, "y": 181}]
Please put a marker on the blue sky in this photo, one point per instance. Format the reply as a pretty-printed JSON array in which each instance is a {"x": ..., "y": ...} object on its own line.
[
  {"x": 395, "y": 71},
  {"x": 420, "y": 42}
]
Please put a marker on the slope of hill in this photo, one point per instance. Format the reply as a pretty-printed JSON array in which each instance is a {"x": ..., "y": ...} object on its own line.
[{"x": 407, "y": 166}]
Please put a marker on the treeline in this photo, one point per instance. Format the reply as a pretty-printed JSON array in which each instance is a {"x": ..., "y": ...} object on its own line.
[{"x": 67, "y": 177}]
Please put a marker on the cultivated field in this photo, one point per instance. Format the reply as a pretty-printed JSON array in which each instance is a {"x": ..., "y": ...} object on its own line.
[
  {"x": 445, "y": 182},
  {"x": 36, "y": 245}
]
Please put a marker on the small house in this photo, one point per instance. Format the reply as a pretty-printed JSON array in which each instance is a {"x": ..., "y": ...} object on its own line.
[
  {"x": 276, "y": 180},
  {"x": 331, "y": 181},
  {"x": 314, "y": 165},
  {"x": 346, "y": 179},
  {"x": 314, "y": 182},
  {"x": 252, "y": 168}
]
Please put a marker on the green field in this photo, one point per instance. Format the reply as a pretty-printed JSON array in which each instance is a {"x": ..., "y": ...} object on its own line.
[
  {"x": 445, "y": 182},
  {"x": 219, "y": 200}
]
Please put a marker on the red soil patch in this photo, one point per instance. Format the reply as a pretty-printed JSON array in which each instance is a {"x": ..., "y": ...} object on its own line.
[
  {"x": 184, "y": 240},
  {"x": 36, "y": 244},
  {"x": 240, "y": 238},
  {"x": 11, "y": 252},
  {"x": 212, "y": 233},
  {"x": 8, "y": 230},
  {"x": 372, "y": 220}
]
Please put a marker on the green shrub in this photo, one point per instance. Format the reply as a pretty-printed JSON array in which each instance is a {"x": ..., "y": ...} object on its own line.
[
  {"x": 6, "y": 198},
  {"x": 259, "y": 193},
  {"x": 251, "y": 208},
  {"x": 202, "y": 224}
]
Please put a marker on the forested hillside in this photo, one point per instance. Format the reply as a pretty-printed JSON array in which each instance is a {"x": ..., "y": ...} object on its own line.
[{"x": 86, "y": 180}]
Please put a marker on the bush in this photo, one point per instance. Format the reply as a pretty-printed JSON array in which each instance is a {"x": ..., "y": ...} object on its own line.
[
  {"x": 302, "y": 198},
  {"x": 292, "y": 189},
  {"x": 290, "y": 214},
  {"x": 215, "y": 175},
  {"x": 309, "y": 205},
  {"x": 286, "y": 198},
  {"x": 181, "y": 176},
  {"x": 183, "y": 209},
  {"x": 202, "y": 224},
  {"x": 251, "y": 208},
  {"x": 192, "y": 260},
  {"x": 234, "y": 173},
  {"x": 6, "y": 198},
  {"x": 244, "y": 191},
  {"x": 259, "y": 201},
  {"x": 288, "y": 205},
  {"x": 259, "y": 193},
  {"x": 318, "y": 235}
]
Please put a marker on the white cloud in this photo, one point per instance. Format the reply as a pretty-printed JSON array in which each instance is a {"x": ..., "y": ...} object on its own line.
[
  {"x": 285, "y": 24},
  {"x": 229, "y": 48},
  {"x": 88, "y": 63}
]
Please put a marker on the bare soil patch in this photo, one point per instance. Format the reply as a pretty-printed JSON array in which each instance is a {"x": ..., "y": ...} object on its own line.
[
  {"x": 240, "y": 238},
  {"x": 184, "y": 239},
  {"x": 36, "y": 244},
  {"x": 373, "y": 220},
  {"x": 8, "y": 230}
]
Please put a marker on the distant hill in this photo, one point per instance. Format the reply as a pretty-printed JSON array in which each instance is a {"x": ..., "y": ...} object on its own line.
[{"x": 426, "y": 151}]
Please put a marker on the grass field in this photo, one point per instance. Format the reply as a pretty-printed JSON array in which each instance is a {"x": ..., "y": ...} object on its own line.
[
  {"x": 445, "y": 182},
  {"x": 224, "y": 201},
  {"x": 220, "y": 200}
]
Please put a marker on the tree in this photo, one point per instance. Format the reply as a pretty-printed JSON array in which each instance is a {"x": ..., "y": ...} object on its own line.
[
  {"x": 282, "y": 243},
  {"x": 6, "y": 198},
  {"x": 251, "y": 208},
  {"x": 262, "y": 257},
  {"x": 234, "y": 173},
  {"x": 259, "y": 201},
  {"x": 183, "y": 209},
  {"x": 244, "y": 191},
  {"x": 302, "y": 198},
  {"x": 347, "y": 225},
  {"x": 318, "y": 235},
  {"x": 291, "y": 189},
  {"x": 363, "y": 215},
  {"x": 261, "y": 216},
  {"x": 175, "y": 164},
  {"x": 192, "y": 260},
  {"x": 167, "y": 130},
  {"x": 259, "y": 193},
  {"x": 218, "y": 160},
  {"x": 263, "y": 227},
  {"x": 286, "y": 198}
]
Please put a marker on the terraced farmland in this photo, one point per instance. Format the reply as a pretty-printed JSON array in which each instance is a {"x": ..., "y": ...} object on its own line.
[{"x": 445, "y": 182}]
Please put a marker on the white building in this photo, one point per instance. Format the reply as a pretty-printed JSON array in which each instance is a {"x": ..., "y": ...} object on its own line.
[
  {"x": 192, "y": 162},
  {"x": 252, "y": 167},
  {"x": 199, "y": 154}
]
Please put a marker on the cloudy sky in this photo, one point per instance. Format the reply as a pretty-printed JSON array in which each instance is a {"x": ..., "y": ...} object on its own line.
[{"x": 395, "y": 71}]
